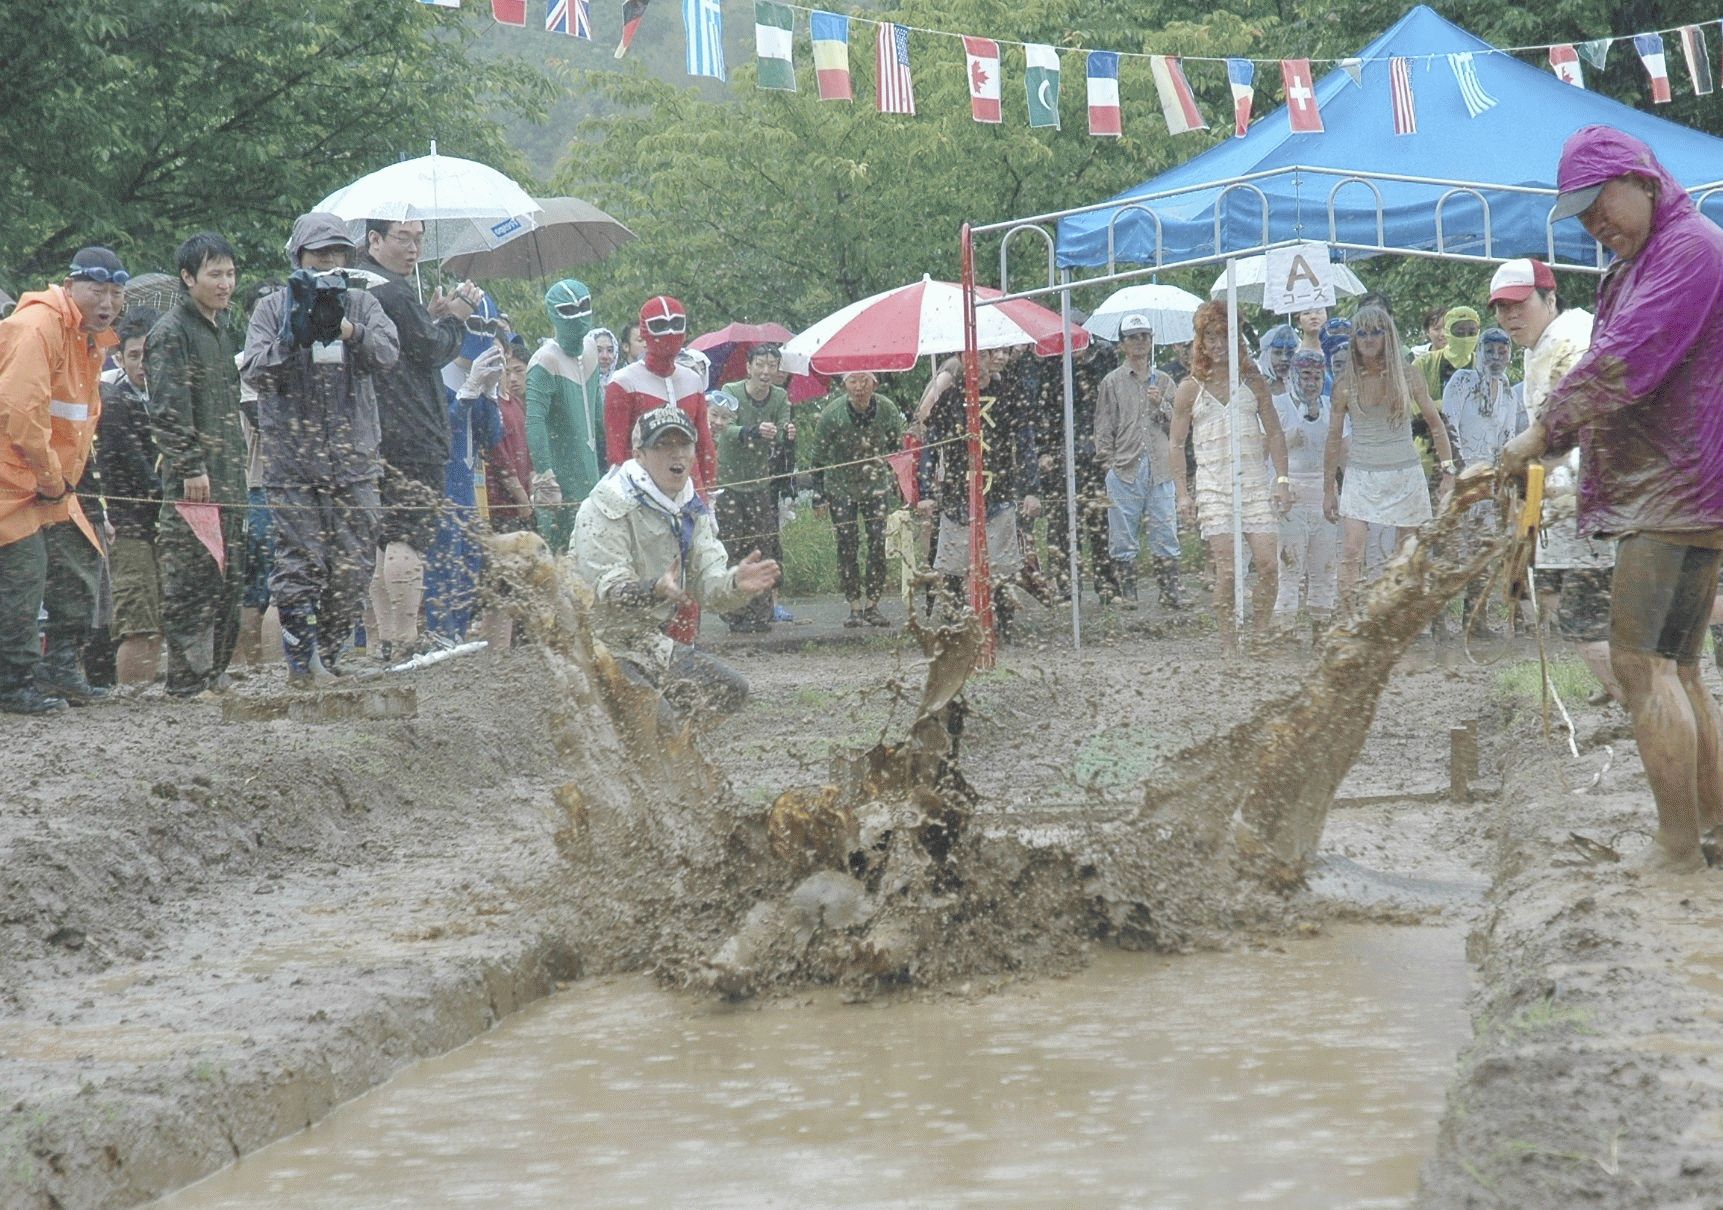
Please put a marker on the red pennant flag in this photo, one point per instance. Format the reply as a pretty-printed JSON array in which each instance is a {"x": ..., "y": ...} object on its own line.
[
  {"x": 1301, "y": 108},
  {"x": 509, "y": 12},
  {"x": 632, "y": 11},
  {"x": 982, "y": 56},
  {"x": 204, "y": 521}
]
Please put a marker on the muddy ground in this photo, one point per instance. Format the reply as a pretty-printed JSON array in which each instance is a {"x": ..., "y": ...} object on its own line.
[{"x": 211, "y": 933}]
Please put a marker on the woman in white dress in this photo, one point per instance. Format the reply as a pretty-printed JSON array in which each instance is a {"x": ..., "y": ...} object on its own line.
[
  {"x": 1199, "y": 413},
  {"x": 1385, "y": 482}
]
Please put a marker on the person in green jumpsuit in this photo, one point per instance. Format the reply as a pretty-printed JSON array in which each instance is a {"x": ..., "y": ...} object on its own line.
[{"x": 564, "y": 416}]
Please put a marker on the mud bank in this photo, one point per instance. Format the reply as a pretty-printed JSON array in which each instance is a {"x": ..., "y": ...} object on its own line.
[
  {"x": 210, "y": 934},
  {"x": 1595, "y": 1077}
]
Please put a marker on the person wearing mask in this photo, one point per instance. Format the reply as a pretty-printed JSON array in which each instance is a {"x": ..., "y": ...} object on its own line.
[
  {"x": 749, "y": 450},
  {"x": 1644, "y": 404},
  {"x": 51, "y": 352},
  {"x": 1309, "y": 541},
  {"x": 1460, "y": 328},
  {"x": 1275, "y": 359},
  {"x": 192, "y": 362},
  {"x": 855, "y": 486},
  {"x": 1132, "y": 421},
  {"x": 127, "y": 458},
  {"x": 1199, "y": 413},
  {"x": 564, "y": 418},
  {"x": 644, "y": 542},
  {"x": 1384, "y": 476},
  {"x": 313, "y": 352},
  {"x": 1573, "y": 571},
  {"x": 1482, "y": 410},
  {"x": 413, "y": 409}
]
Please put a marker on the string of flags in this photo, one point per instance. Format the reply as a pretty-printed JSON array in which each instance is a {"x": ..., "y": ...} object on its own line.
[{"x": 774, "y": 38}]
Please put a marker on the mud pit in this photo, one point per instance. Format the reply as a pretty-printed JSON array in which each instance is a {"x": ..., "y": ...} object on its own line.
[{"x": 213, "y": 934}]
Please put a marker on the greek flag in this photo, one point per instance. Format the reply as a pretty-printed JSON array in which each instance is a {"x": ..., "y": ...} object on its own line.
[
  {"x": 1471, "y": 92},
  {"x": 703, "y": 20}
]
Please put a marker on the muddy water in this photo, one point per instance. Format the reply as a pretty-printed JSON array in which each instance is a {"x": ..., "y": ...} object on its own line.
[{"x": 1310, "y": 1075}]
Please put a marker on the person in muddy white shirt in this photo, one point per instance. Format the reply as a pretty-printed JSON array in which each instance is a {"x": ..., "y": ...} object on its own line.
[{"x": 645, "y": 542}]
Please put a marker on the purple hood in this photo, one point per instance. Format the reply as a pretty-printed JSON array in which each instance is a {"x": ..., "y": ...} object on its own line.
[{"x": 1645, "y": 404}]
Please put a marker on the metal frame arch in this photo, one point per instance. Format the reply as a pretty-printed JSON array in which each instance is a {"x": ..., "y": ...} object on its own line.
[
  {"x": 1005, "y": 253},
  {"x": 1220, "y": 213},
  {"x": 1441, "y": 233},
  {"x": 1334, "y": 218},
  {"x": 1112, "y": 235}
]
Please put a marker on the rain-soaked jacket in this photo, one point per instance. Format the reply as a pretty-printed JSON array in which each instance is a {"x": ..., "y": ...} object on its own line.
[
  {"x": 50, "y": 402},
  {"x": 1645, "y": 403},
  {"x": 625, "y": 539},
  {"x": 318, "y": 420}
]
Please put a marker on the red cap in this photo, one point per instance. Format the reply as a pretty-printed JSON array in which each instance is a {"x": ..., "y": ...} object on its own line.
[{"x": 1516, "y": 279}]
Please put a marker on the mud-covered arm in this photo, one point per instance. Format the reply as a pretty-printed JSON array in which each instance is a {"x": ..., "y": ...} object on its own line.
[
  {"x": 1640, "y": 344},
  {"x": 27, "y": 395}
]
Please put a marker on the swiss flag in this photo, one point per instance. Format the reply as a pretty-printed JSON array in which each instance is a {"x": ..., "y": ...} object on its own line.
[
  {"x": 1300, "y": 96},
  {"x": 508, "y": 12}
]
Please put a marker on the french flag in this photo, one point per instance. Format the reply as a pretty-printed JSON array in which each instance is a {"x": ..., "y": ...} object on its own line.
[
  {"x": 1650, "y": 48},
  {"x": 1241, "y": 74},
  {"x": 1105, "y": 118}
]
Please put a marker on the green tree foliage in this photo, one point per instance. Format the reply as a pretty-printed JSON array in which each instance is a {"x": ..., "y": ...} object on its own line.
[{"x": 137, "y": 122}]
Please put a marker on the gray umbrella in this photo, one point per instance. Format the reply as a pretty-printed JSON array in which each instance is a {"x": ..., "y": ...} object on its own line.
[
  {"x": 157, "y": 291},
  {"x": 569, "y": 233}
]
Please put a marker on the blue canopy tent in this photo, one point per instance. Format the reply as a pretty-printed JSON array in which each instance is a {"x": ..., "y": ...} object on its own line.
[{"x": 1365, "y": 189}]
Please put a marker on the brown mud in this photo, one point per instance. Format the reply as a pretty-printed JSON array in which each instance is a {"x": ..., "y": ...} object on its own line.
[{"x": 210, "y": 934}]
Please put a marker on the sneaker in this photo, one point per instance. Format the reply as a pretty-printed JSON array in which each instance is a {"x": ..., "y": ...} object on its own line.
[
  {"x": 27, "y": 699},
  {"x": 780, "y": 614},
  {"x": 873, "y": 617},
  {"x": 855, "y": 620}
]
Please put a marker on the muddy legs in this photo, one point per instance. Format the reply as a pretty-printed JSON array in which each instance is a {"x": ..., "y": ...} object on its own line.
[{"x": 1668, "y": 718}]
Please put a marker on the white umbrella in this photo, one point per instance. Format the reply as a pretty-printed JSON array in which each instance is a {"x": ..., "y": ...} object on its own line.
[
  {"x": 1253, "y": 271},
  {"x": 459, "y": 201},
  {"x": 1168, "y": 309},
  {"x": 893, "y": 329}
]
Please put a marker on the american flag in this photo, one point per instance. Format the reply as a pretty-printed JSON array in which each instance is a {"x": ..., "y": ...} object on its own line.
[
  {"x": 891, "y": 62},
  {"x": 1400, "y": 84}
]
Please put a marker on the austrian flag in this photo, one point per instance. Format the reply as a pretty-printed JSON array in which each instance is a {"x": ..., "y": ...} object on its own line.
[
  {"x": 982, "y": 57},
  {"x": 1104, "y": 117}
]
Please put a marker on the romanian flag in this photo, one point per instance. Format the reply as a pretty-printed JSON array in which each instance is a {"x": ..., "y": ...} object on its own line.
[{"x": 831, "y": 35}]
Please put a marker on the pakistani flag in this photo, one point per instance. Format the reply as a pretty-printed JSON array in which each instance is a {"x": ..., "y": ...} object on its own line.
[
  {"x": 1042, "y": 81},
  {"x": 773, "y": 25}
]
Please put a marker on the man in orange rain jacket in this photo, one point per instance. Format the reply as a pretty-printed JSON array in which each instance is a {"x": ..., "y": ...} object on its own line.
[{"x": 51, "y": 351}]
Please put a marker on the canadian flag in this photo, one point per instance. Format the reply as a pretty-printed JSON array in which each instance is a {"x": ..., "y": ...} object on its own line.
[
  {"x": 1301, "y": 108},
  {"x": 983, "y": 58},
  {"x": 1564, "y": 59}
]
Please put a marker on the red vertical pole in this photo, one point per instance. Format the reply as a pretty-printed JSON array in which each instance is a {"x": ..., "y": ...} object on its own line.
[{"x": 980, "y": 569}]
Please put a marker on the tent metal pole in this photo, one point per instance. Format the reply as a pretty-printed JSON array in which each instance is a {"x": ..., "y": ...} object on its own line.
[
  {"x": 1232, "y": 427},
  {"x": 1073, "y": 537}
]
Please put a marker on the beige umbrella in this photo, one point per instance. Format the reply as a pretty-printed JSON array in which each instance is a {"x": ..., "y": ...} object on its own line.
[
  {"x": 157, "y": 291},
  {"x": 568, "y": 233}
]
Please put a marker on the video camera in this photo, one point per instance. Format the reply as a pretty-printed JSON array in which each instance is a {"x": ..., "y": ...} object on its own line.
[{"x": 317, "y": 307}]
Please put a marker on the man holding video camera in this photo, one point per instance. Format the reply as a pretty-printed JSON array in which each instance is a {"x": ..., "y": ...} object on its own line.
[{"x": 311, "y": 354}]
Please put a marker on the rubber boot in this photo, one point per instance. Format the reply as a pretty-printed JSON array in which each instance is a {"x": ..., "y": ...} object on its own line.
[
  {"x": 1125, "y": 576},
  {"x": 299, "y": 645},
  {"x": 60, "y": 673},
  {"x": 1172, "y": 592},
  {"x": 20, "y": 696}
]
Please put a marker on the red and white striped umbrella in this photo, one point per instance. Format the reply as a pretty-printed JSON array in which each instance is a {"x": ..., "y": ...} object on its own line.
[{"x": 891, "y": 331}]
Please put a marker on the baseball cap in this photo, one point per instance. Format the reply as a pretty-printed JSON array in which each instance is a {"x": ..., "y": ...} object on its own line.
[
  {"x": 1574, "y": 201},
  {"x": 1516, "y": 279},
  {"x": 1134, "y": 323},
  {"x": 651, "y": 428}
]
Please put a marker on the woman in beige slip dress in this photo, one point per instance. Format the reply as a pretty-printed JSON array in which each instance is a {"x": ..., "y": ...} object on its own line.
[{"x": 1198, "y": 412}]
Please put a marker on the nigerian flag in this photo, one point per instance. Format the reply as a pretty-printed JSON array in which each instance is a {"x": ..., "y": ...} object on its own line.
[{"x": 773, "y": 25}]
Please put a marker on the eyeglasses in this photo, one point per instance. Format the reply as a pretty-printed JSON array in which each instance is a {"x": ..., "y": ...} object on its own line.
[
  {"x": 574, "y": 310},
  {"x": 1136, "y": 336},
  {"x": 101, "y": 276},
  {"x": 667, "y": 325},
  {"x": 406, "y": 240},
  {"x": 1369, "y": 331}
]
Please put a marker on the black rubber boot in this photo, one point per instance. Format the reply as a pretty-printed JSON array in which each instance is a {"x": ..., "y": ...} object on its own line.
[
  {"x": 1125, "y": 576},
  {"x": 60, "y": 674},
  {"x": 299, "y": 645},
  {"x": 1172, "y": 591},
  {"x": 22, "y": 697}
]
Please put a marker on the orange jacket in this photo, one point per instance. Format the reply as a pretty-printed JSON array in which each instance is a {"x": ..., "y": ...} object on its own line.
[{"x": 50, "y": 400}]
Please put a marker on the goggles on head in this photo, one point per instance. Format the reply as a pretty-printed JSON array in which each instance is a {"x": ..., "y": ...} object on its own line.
[
  {"x": 667, "y": 325},
  {"x": 100, "y": 275},
  {"x": 578, "y": 309}
]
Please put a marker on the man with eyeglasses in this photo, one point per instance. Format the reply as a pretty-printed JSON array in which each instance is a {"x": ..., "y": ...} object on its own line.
[
  {"x": 317, "y": 419},
  {"x": 564, "y": 415},
  {"x": 51, "y": 353},
  {"x": 191, "y": 362},
  {"x": 412, "y": 407}
]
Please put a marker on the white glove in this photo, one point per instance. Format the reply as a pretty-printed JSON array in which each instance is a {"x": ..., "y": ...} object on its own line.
[
  {"x": 485, "y": 375},
  {"x": 545, "y": 489}
]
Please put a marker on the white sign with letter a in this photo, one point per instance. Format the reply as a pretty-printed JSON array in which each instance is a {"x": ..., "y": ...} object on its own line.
[{"x": 1297, "y": 278}]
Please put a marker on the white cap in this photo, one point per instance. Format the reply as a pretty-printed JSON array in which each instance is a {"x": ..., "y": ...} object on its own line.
[
  {"x": 1516, "y": 279},
  {"x": 1134, "y": 323}
]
